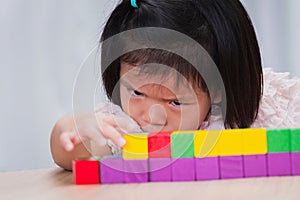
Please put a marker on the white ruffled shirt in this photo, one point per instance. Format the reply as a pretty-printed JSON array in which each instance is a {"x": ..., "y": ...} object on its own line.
[{"x": 279, "y": 106}]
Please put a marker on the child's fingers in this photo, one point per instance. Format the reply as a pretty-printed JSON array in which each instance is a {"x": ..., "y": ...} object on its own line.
[
  {"x": 122, "y": 123},
  {"x": 76, "y": 139},
  {"x": 66, "y": 140},
  {"x": 111, "y": 133},
  {"x": 97, "y": 137}
]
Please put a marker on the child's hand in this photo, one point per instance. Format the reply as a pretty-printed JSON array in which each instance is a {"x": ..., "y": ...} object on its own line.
[{"x": 97, "y": 128}]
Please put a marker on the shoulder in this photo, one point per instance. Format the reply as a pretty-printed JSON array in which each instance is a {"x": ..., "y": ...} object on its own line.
[{"x": 280, "y": 103}]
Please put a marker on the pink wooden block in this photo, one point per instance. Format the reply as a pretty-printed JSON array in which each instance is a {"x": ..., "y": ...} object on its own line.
[
  {"x": 135, "y": 171},
  {"x": 279, "y": 164},
  {"x": 183, "y": 169},
  {"x": 160, "y": 169},
  {"x": 295, "y": 161},
  {"x": 112, "y": 170},
  {"x": 207, "y": 168},
  {"x": 231, "y": 167},
  {"x": 255, "y": 165}
]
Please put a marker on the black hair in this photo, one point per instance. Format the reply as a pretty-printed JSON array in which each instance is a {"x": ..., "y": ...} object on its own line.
[{"x": 222, "y": 27}]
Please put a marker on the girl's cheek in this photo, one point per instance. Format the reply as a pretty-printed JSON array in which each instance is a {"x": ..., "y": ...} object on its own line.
[{"x": 132, "y": 108}]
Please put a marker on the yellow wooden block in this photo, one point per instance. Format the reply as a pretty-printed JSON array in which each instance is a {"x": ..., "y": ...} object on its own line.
[
  {"x": 254, "y": 141},
  {"x": 136, "y": 147},
  {"x": 206, "y": 143},
  {"x": 231, "y": 142}
]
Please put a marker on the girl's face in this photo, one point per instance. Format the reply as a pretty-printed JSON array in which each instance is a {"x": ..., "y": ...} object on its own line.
[{"x": 158, "y": 104}]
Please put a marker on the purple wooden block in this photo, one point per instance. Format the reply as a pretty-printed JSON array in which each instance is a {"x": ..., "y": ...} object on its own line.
[
  {"x": 231, "y": 167},
  {"x": 135, "y": 171},
  {"x": 111, "y": 169},
  {"x": 295, "y": 161},
  {"x": 183, "y": 169},
  {"x": 255, "y": 165},
  {"x": 279, "y": 164},
  {"x": 207, "y": 168},
  {"x": 160, "y": 169}
]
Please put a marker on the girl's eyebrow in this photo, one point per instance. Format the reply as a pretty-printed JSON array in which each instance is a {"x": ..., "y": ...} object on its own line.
[
  {"x": 125, "y": 83},
  {"x": 178, "y": 98},
  {"x": 175, "y": 98}
]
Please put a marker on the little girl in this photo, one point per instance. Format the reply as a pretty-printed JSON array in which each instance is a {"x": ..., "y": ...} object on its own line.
[{"x": 153, "y": 89}]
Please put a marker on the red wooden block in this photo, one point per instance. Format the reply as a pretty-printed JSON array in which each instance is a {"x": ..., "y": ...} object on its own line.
[
  {"x": 159, "y": 145},
  {"x": 86, "y": 171}
]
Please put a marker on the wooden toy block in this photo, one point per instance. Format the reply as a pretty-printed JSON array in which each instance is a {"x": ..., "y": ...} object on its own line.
[
  {"x": 207, "y": 168},
  {"x": 231, "y": 167},
  {"x": 206, "y": 143},
  {"x": 159, "y": 145},
  {"x": 255, "y": 165},
  {"x": 295, "y": 140},
  {"x": 295, "y": 151},
  {"x": 182, "y": 144},
  {"x": 196, "y": 155},
  {"x": 112, "y": 170},
  {"x": 136, "y": 147},
  {"x": 135, "y": 171},
  {"x": 254, "y": 141},
  {"x": 183, "y": 169},
  {"x": 278, "y": 140},
  {"x": 279, "y": 164},
  {"x": 160, "y": 169},
  {"x": 230, "y": 142},
  {"x": 295, "y": 162},
  {"x": 86, "y": 171}
]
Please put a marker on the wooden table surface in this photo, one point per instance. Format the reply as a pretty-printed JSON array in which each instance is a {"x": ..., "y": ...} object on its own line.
[{"x": 56, "y": 184}]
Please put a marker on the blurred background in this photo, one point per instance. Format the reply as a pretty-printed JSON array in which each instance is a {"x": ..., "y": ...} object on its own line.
[{"x": 43, "y": 44}]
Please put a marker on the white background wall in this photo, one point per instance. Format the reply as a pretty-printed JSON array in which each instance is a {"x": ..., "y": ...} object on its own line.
[{"x": 43, "y": 43}]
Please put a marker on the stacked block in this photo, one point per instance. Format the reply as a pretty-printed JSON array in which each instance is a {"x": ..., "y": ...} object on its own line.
[
  {"x": 196, "y": 156},
  {"x": 159, "y": 145},
  {"x": 112, "y": 169},
  {"x": 160, "y": 170},
  {"x": 295, "y": 151},
  {"x": 86, "y": 171},
  {"x": 279, "y": 152},
  {"x": 136, "y": 147}
]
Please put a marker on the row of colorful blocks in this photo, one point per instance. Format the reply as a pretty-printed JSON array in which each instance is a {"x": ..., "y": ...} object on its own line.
[
  {"x": 203, "y": 143},
  {"x": 109, "y": 170}
]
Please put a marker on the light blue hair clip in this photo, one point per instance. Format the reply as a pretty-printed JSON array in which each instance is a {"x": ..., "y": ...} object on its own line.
[{"x": 134, "y": 4}]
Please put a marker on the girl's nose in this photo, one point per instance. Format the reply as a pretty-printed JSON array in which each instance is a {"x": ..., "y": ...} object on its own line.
[{"x": 156, "y": 115}]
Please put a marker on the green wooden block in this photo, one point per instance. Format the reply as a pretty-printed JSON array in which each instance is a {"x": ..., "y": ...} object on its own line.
[
  {"x": 182, "y": 145},
  {"x": 295, "y": 140},
  {"x": 278, "y": 140}
]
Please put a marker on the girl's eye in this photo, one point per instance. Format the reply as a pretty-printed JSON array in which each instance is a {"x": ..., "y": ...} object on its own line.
[
  {"x": 136, "y": 93},
  {"x": 176, "y": 103}
]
